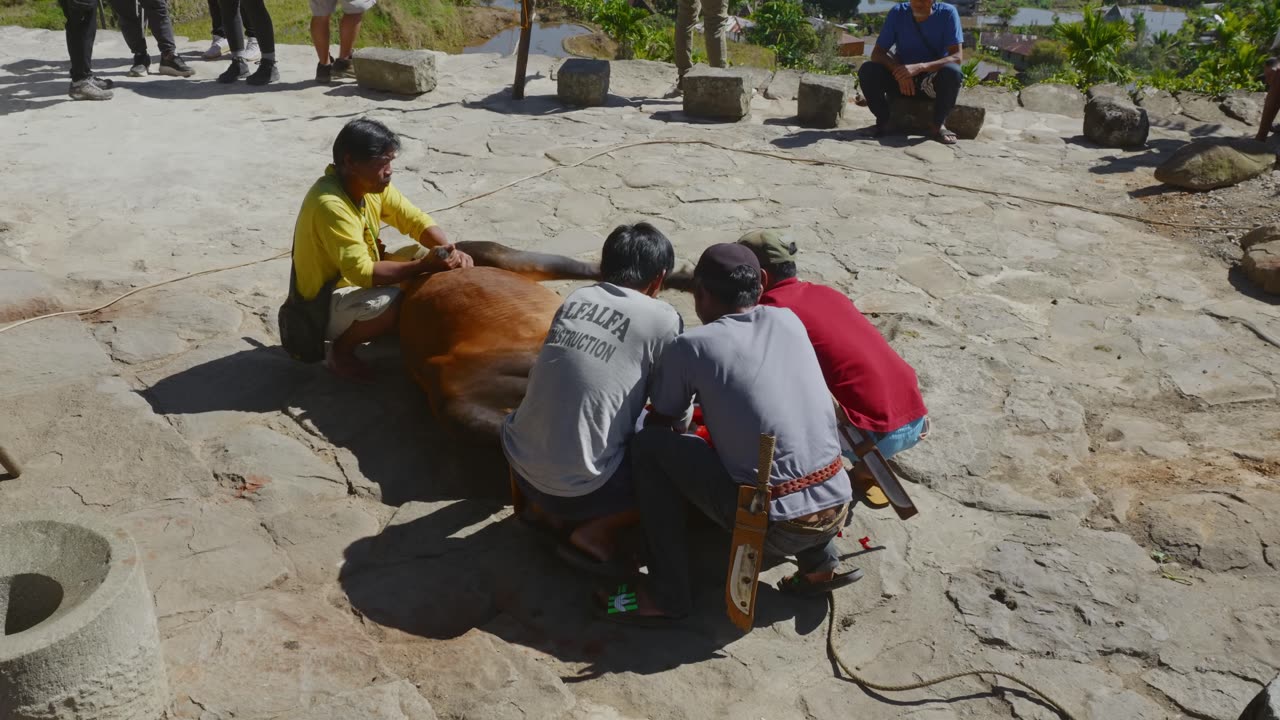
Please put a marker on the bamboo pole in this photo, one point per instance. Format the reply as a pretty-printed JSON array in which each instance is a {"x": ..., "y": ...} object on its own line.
[
  {"x": 9, "y": 464},
  {"x": 522, "y": 51}
]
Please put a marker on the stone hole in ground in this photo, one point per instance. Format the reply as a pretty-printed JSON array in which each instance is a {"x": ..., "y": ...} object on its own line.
[{"x": 26, "y": 600}]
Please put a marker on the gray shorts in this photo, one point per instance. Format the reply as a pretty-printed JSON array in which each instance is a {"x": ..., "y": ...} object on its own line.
[
  {"x": 324, "y": 8},
  {"x": 356, "y": 304}
]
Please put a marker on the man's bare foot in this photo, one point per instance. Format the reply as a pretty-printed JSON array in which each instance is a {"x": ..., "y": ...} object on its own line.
[{"x": 349, "y": 367}]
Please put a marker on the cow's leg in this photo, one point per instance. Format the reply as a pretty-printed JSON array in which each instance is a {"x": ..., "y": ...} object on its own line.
[
  {"x": 681, "y": 278},
  {"x": 533, "y": 265}
]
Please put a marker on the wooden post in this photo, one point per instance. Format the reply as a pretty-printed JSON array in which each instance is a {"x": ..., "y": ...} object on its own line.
[
  {"x": 9, "y": 464},
  {"x": 522, "y": 50}
]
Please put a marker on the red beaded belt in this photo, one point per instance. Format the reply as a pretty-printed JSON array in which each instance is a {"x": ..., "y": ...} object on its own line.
[{"x": 814, "y": 478}]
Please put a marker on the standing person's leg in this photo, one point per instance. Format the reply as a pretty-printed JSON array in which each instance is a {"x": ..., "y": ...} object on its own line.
[
  {"x": 235, "y": 40},
  {"x": 352, "y": 14},
  {"x": 669, "y": 470},
  {"x": 946, "y": 90},
  {"x": 1272, "y": 104},
  {"x": 321, "y": 21},
  {"x": 715, "y": 17},
  {"x": 161, "y": 24},
  {"x": 218, "y": 45},
  {"x": 686, "y": 15},
  {"x": 877, "y": 83},
  {"x": 266, "y": 72},
  {"x": 131, "y": 28},
  {"x": 81, "y": 28}
]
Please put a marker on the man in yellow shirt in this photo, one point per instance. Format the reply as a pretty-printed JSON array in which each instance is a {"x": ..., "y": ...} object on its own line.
[{"x": 336, "y": 240}]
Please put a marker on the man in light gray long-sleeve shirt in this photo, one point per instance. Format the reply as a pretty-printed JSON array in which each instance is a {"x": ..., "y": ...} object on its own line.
[
  {"x": 567, "y": 442},
  {"x": 754, "y": 371}
]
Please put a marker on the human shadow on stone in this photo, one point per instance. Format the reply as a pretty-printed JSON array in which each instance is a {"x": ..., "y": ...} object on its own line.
[
  {"x": 386, "y": 426},
  {"x": 201, "y": 88},
  {"x": 536, "y": 105},
  {"x": 434, "y": 577},
  {"x": 1151, "y": 155}
]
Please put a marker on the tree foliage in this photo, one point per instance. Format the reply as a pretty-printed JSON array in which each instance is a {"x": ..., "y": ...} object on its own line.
[
  {"x": 1095, "y": 46},
  {"x": 781, "y": 25}
]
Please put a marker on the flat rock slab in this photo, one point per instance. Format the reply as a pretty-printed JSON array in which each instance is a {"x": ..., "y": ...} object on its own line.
[
  {"x": 1216, "y": 162},
  {"x": 785, "y": 85},
  {"x": 717, "y": 93},
  {"x": 583, "y": 83},
  {"x": 398, "y": 700},
  {"x": 24, "y": 294},
  {"x": 1053, "y": 98},
  {"x": 1244, "y": 106},
  {"x": 404, "y": 72},
  {"x": 1266, "y": 706},
  {"x": 1203, "y": 108}
]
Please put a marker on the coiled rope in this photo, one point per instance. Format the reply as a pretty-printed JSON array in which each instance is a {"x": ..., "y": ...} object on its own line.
[{"x": 644, "y": 143}]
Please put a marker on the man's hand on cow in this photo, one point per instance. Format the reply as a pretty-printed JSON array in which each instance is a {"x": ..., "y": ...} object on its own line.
[{"x": 446, "y": 257}]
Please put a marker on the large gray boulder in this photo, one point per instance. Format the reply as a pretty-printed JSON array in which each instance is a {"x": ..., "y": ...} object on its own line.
[
  {"x": 1112, "y": 121},
  {"x": 821, "y": 100},
  {"x": 1244, "y": 106},
  {"x": 583, "y": 83},
  {"x": 1266, "y": 706},
  {"x": 1107, "y": 90},
  {"x": 1158, "y": 103},
  {"x": 1203, "y": 108},
  {"x": 1213, "y": 163},
  {"x": 1053, "y": 98},
  {"x": 991, "y": 98},
  {"x": 404, "y": 72},
  {"x": 717, "y": 93},
  {"x": 1261, "y": 262},
  {"x": 915, "y": 115}
]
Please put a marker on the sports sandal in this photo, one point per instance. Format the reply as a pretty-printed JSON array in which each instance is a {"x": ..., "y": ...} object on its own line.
[
  {"x": 798, "y": 584},
  {"x": 623, "y": 608}
]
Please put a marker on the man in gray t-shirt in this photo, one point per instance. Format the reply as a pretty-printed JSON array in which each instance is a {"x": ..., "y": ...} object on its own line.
[
  {"x": 567, "y": 441},
  {"x": 754, "y": 372}
]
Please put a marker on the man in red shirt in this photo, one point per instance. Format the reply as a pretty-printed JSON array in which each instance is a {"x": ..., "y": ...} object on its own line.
[{"x": 876, "y": 388}]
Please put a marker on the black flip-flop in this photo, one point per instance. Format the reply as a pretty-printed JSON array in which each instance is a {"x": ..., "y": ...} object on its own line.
[
  {"x": 798, "y": 584},
  {"x": 581, "y": 560}
]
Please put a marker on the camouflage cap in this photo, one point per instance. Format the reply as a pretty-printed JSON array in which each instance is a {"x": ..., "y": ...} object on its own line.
[{"x": 770, "y": 247}]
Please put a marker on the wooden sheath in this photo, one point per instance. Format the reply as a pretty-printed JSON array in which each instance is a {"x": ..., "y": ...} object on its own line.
[
  {"x": 746, "y": 550},
  {"x": 867, "y": 452}
]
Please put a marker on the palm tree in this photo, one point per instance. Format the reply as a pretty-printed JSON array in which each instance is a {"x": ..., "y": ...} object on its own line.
[{"x": 1094, "y": 45}]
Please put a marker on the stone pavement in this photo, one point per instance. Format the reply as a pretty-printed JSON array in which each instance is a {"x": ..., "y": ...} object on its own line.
[{"x": 319, "y": 550}]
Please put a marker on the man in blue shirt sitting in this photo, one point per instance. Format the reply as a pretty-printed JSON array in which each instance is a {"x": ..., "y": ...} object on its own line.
[{"x": 918, "y": 51}]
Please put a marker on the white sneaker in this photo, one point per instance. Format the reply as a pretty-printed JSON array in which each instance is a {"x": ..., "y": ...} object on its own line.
[
  {"x": 251, "y": 50},
  {"x": 217, "y": 49}
]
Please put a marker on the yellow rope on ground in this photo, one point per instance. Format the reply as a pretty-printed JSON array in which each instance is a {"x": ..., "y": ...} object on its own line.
[
  {"x": 855, "y": 677},
  {"x": 643, "y": 143}
]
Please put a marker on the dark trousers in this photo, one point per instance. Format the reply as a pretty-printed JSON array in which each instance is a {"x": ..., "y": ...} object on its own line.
[
  {"x": 157, "y": 12},
  {"x": 82, "y": 28},
  {"x": 671, "y": 471},
  {"x": 256, "y": 12},
  {"x": 878, "y": 85},
  {"x": 215, "y": 20}
]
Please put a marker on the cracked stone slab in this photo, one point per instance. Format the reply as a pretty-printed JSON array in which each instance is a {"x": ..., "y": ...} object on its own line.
[
  {"x": 273, "y": 472},
  {"x": 1209, "y": 695}
]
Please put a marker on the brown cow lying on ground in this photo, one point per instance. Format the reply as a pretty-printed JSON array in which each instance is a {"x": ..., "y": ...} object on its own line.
[{"x": 468, "y": 337}]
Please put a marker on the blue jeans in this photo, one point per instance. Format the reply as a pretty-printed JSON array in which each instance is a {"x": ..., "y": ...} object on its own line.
[
  {"x": 671, "y": 469},
  {"x": 895, "y": 441},
  {"x": 878, "y": 84}
]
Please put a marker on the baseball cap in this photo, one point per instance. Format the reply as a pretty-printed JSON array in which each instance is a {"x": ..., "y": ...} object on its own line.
[
  {"x": 770, "y": 247},
  {"x": 720, "y": 260}
]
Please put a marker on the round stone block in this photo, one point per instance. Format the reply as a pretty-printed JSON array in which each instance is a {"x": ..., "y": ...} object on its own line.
[{"x": 78, "y": 636}]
